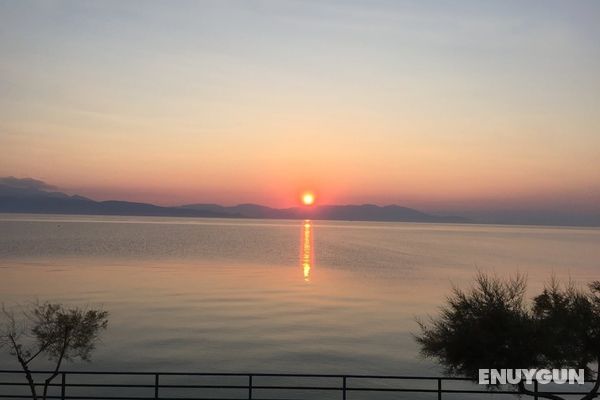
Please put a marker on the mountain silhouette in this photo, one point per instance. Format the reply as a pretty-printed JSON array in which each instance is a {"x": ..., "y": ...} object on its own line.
[
  {"x": 31, "y": 196},
  {"x": 39, "y": 201},
  {"x": 26, "y": 195},
  {"x": 364, "y": 212}
]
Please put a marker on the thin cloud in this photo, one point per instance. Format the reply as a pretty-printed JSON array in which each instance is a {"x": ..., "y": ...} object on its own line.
[{"x": 25, "y": 183}]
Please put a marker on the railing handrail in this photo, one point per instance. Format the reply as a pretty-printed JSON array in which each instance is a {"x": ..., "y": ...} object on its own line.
[{"x": 275, "y": 374}]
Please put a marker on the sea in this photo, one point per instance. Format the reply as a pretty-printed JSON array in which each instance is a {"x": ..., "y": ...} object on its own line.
[{"x": 269, "y": 296}]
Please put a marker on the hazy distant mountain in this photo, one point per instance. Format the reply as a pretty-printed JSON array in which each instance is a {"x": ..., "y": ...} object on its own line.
[
  {"x": 365, "y": 212},
  {"x": 247, "y": 210},
  {"x": 569, "y": 217},
  {"x": 34, "y": 197}
]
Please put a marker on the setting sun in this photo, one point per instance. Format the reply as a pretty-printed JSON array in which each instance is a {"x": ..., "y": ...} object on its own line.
[{"x": 308, "y": 199}]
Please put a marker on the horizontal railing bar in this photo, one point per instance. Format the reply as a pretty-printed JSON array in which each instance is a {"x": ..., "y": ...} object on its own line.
[
  {"x": 298, "y": 387},
  {"x": 448, "y": 391},
  {"x": 429, "y": 390},
  {"x": 263, "y": 374},
  {"x": 260, "y": 374},
  {"x": 2, "y": 396},
  {"x": 331, "y": 388},
  {"x": 404, "y": 390},
  {"x": 410, "y": 390}
]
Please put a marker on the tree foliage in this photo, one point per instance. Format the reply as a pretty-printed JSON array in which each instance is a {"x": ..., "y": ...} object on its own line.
[
  {"x": 492, "y": 325},
  {"x": 52, "y": 330}
]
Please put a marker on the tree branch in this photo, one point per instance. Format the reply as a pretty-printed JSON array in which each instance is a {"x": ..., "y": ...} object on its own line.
[
  {"x": 594, "y": 392},
  {"x": 58, "y": 363},
  {"x": 24, "y": 366},
  {"x": 40, "y": 351}
]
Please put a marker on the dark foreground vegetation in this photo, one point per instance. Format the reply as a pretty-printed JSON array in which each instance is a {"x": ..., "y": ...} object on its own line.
[
  {"x": 493, "y": 326},
  {"x": 52, "y": 331}
]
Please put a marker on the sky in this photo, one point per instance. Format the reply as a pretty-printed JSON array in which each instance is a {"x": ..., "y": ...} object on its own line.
[{"x": 437, "y": 105}]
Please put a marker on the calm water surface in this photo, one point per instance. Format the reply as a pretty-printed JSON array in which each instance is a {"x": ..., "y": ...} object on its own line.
[{"x": 270, "y": 296}]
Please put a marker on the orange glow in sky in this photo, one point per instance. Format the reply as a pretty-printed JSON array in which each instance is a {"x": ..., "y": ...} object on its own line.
[
  {"x": 393, "y": 105},
  {"x": 308, "y": 199}
]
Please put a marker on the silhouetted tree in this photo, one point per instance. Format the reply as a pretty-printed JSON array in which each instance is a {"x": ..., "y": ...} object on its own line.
[
  {"x": 51, "y": 330},
  {"x": 491, "y": 325}
]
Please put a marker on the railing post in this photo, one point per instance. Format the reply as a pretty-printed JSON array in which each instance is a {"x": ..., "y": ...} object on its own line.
[
  {"x": 250, "y": 387},
  {"x": 344, "y": 388},
  {"x": 535, "y": 390},
  {"x": 63, "y": 386},
  {"x": 156, "y": 385},
  {"x": 439, "y": 388}
]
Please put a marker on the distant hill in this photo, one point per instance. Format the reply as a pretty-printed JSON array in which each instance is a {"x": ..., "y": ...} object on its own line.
[
  {"x": 40, "y": 201},
  {"x": 568, "y": 217},
  {"x": 365, "y": 212},
  {"x": 31, "y": 196},
  {"x": 26, "y": 195}
]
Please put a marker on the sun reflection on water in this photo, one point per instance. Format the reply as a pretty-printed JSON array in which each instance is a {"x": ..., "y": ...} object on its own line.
[{"x": 306, "y": 257}]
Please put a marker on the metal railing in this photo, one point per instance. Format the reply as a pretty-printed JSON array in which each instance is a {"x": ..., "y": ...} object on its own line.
[{"x": 251, "y": 386}]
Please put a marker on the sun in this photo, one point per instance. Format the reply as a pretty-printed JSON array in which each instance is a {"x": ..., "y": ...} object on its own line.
[{"x": 308, "y": 199}]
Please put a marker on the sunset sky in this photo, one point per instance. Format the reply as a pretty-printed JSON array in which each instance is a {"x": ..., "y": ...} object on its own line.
[{"x": 435, "y": 105}]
